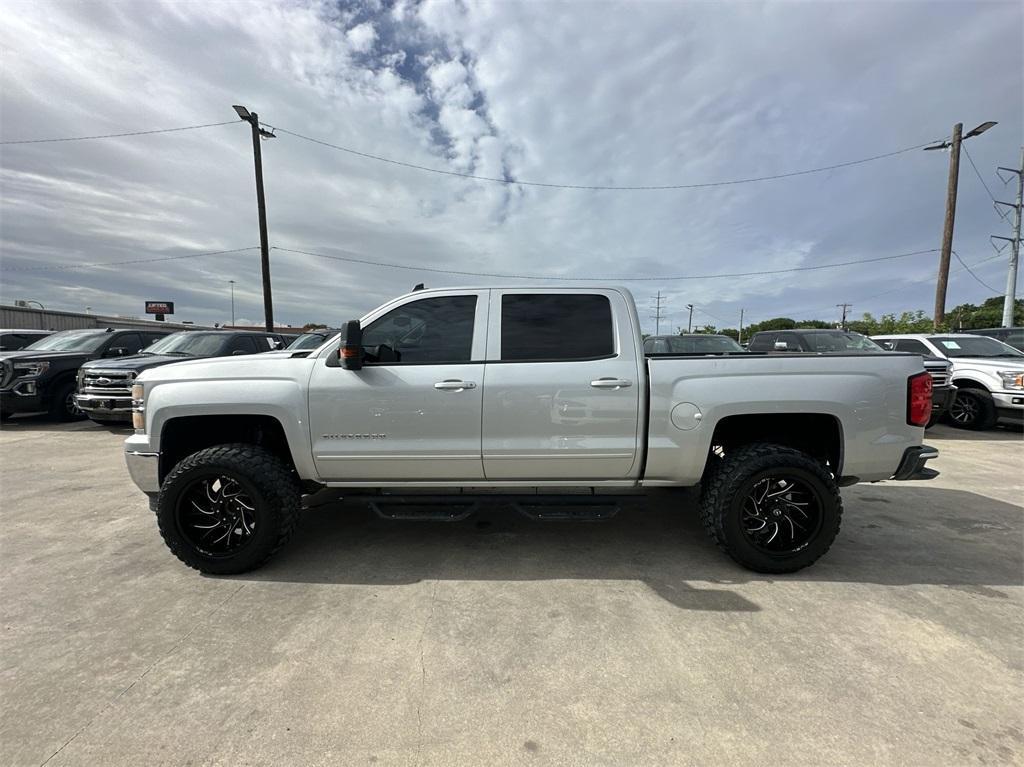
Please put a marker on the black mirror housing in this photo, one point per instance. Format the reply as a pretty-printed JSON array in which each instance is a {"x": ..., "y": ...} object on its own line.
[{"x": 351, "y": 351}]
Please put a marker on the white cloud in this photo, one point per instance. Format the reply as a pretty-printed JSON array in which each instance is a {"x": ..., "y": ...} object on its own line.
[{"x": 598, "y": 94}]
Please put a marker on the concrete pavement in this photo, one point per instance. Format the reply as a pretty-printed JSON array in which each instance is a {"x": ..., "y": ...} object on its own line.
[{"x": 500, "y": 640}]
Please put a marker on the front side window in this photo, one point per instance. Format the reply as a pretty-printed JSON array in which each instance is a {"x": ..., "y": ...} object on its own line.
[
  {"x": 551, "y": 326},
  {"x": 242, "y": 345},
  {"x": 431, "y": 330}
]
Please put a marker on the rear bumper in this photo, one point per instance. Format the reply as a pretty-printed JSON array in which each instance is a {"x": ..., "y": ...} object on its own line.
[{"x": 913, "y": 464}]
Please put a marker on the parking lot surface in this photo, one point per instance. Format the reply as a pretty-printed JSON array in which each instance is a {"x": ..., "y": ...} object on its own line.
[{"x": 502, "y": 640}]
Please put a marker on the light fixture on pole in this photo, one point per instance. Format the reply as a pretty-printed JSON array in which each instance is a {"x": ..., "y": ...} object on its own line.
[
  {"x": 947, "y": 229},
  {"x": 259, "y": 133}
]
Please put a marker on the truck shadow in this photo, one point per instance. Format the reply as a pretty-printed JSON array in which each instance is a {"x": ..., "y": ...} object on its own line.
[{"x": 893, "y": 535}]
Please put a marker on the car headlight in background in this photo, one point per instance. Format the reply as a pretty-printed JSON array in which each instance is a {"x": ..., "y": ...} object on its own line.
[
  {"x": 1012, "y": 379},
  {"x": 30, "y": 369},
  {"x": 138, "y": 406}
]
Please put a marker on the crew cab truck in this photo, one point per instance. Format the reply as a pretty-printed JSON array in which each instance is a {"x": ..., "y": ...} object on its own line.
[{"x": 520, "y": 391}]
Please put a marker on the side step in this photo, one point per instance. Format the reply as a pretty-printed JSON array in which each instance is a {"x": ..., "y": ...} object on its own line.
[{"x": 455, "y": 508}]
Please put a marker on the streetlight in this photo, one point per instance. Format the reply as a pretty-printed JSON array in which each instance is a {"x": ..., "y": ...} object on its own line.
[
  {"x": 232, "y": 302},
  {"x": 257, "y": 133},
  {"x": 947, "y": 229}
]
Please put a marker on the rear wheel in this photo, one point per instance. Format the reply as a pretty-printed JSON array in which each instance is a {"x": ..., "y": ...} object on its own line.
[
  {"x": 771, "y": 508},
  {"x": 228, "y": 509},
  {"x": 972, "y": 409},
  {"x": 62, "y": 406}
]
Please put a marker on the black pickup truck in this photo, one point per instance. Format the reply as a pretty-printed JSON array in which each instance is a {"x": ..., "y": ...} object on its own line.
[
  {"x": 104, "y": 386},
  {"x": 41, "y": 377}
]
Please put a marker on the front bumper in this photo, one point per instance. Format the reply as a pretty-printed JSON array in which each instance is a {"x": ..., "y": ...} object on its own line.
[
  {"x": 942, "y": 399},
  {"x": 143, "y": 463},
  {"x": 913, "y": 464},
  {"x": 108, "y": 408},
  {"x": 22, "y": 399},
  {"x": 1009, "y": 401}
]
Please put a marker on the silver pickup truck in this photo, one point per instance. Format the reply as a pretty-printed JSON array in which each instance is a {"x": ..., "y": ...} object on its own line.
[{"x": 526, "y": 391}]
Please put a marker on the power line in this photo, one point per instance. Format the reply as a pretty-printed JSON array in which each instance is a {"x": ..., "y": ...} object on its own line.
[
  {"x": 66, "y": 267},
  {"x": 118, "y": 135},
  {"x": 978, "y": 173},
  {"x": 351, "y": 259},
  {"x": 664, "y": 187},
  {"x": 976, "y": 277}
]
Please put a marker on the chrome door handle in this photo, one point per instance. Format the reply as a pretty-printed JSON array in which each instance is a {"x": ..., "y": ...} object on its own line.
[
  {"x": 453, "y": 385},
  {"x": 611, "y": 383}
]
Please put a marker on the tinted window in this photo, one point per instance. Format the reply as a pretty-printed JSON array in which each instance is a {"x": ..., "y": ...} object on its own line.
[
  {"x": 911, "y": 345},
  {"x": 839, "y": 341},
  {"x": 243, "y": 344},
  {"x": 130, "y": 342},
  {"x": 762, "y": 342},
  {"x": 436, "y": 330},
  {"x": 556, "y": 327}
]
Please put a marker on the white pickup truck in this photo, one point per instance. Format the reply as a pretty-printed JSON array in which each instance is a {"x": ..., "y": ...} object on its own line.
[{"x": 526, "y": 391}]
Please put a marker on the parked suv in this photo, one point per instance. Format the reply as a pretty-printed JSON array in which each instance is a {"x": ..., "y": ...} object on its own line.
[
  {"x": 834, "y": 341},
  {"x": 988, "y": 374},
  {"x": 42, "y": 375},
  {"x": 104, "y": 386},
  {"x": 691, "y": 343},
  {"x": 12, "y": 340}
]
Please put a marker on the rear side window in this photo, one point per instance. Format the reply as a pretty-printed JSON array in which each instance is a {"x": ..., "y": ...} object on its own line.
[{"x": 549, "y": 327}]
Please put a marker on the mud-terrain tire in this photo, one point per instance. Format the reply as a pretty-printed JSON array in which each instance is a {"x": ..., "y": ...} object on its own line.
[
  {"x": 242, "y": 495},
  {"x": 762, "y": 489}
]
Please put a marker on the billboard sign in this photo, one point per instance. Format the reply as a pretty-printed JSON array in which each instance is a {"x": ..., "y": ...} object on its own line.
[{"x": 159, "y": 307}]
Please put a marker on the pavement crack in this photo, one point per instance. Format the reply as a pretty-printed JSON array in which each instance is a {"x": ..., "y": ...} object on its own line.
[
  {"x": 423, "y": 675},
  {"x": 141, "y": 676}
]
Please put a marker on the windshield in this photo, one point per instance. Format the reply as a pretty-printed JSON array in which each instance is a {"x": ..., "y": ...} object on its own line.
[
  {"x": 188, "y": 344},
  {"x": 840, "y": 341},
  {"x": 701, "y": 344},
  {"x": 309, "y": 340},
  {"x": 70, "y": 341},
  {"x": 974, "y": 346}
]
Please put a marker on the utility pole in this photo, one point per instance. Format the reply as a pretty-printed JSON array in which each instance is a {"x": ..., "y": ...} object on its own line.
[
  {"x": 740, "y": 340},
  {"x": 657, "y": 316},
  {"x": 844, "y": 307},
  {"x": 1011, "y": 276},
  {"x": 689, "y": 322},
  {"x": 947, "y": 228},
  {"x": 232, "y": 302},
  {"x": 257, "y": 133}
]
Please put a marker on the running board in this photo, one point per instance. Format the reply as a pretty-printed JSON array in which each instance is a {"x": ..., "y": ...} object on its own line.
[{"x": 455, "y": 508}]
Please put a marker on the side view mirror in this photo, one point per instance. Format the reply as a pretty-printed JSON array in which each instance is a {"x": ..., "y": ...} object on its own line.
[
  {"x": 351, "y": 351},
  {"x": 117, "y": 351},
  {"x": 781, "y": 346}
]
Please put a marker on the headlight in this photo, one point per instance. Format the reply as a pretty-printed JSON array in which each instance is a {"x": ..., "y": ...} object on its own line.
[
  {"x": 1012, "y": 379},
  {"x": 138, "y": 406},
  {"x": 30, "y": 369}
]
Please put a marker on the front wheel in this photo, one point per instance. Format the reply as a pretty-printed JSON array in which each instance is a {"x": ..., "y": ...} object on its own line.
[
  {"x": 228, "y": 509},
  {"x": 771, "y": 508},
  {"x": 972, "y": 409},
  {"x": 63, "y": 406}
]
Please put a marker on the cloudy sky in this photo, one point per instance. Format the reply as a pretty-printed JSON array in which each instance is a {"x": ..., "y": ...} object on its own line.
[{"x": 590, "y": 94}]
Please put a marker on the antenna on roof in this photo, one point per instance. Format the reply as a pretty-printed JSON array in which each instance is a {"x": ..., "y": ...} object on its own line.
[{"x": 419, "y": 286}]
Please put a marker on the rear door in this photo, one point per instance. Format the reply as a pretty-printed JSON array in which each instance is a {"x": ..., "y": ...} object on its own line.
[
  {"x": 415, "y": 415},
  {"x": 562, "y": 386}
]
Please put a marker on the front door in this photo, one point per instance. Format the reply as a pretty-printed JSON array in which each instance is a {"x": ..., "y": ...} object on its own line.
[
  {"x": 562, "y": 389},
  {"x": 415, "y": 415}
]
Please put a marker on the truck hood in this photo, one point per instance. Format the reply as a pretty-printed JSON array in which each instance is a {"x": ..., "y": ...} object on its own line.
[
  {"x": 137, "y": 362},
  {"x": 988, "y": 364},
  {"x": 243, "y": 366},
  {"x": 41, "y": 355}
]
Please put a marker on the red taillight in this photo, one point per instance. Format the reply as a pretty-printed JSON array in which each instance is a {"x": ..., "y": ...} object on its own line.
[{"x": 919, "y": 399}]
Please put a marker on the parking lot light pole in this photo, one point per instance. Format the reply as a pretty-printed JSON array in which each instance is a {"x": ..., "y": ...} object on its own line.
[
  {"x": 232, "y": 302},
  {"x": 259, "y": 133}
]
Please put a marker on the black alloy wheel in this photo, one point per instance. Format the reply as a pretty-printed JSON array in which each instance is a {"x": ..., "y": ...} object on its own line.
[
  {"x": 781, "y": 514},
  {"x": 216, "y": 516}
]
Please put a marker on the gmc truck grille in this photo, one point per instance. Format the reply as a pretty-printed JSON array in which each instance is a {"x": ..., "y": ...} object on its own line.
[
  {"x": 6, "y": 374},
  {"x": 111, "y": 383}
]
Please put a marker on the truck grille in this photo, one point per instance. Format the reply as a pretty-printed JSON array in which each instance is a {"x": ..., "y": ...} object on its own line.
[
  {"x": 6, "y": 374},
  {"x": 939, "y": 379},
  {"x": 112, "y": 383}
]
